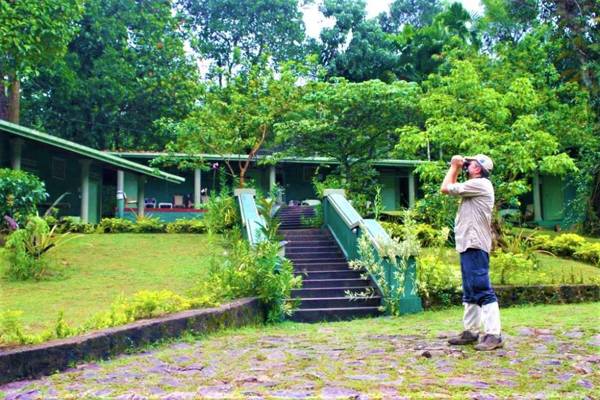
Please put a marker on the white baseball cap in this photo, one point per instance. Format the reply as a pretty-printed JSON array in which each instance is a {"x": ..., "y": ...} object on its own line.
[{"x": 483, "y": 160}]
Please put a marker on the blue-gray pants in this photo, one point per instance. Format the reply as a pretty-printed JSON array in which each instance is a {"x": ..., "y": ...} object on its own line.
[{"x": 475, "y": 269}]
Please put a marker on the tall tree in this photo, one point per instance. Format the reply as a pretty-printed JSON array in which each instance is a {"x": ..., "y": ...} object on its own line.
[
  {"x": 240, "y": 117},
  {"x": 353, "y": 123},
  {"x": 360, "y": 49},
  {"x": 32, "y": 33},
  {"x": 417, "y": 13},
  {"x": 126, "y": 68},
  {"x": 232, "y": 33}
]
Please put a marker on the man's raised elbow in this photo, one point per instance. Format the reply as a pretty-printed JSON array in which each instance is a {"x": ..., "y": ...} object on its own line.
[{"x": 444, "y": 190}]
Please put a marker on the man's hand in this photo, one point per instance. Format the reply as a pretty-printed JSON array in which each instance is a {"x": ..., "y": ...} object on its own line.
[
  {"x": 457, "y": 161},
  {"x": 451, "y": 176}
]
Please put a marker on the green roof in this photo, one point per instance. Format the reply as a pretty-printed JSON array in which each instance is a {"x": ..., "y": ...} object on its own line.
[
  {"x": 235, "y": 157},
  {"x": 107, "y": 158}
]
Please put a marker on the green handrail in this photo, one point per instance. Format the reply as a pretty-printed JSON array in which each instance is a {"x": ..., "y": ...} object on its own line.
[
  {"x": 252, "y": 222},
  {"x": 347, "y": 226}
]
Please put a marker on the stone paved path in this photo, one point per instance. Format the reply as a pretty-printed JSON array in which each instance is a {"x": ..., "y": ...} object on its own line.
[{"x": 381, "y": 358}]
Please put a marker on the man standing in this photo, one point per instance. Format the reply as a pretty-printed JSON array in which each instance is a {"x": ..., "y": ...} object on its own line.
[{"x": 473, "y": 236}]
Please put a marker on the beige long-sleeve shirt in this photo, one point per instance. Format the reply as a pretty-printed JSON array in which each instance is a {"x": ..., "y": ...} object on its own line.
[{"x": 473, "y": 223}]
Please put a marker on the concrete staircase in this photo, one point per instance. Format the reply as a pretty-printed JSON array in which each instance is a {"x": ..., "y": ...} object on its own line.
[{"x": 325, "y": 273}]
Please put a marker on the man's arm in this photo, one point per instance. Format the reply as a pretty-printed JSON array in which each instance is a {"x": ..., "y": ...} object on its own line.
[{"x": 452, "y": 175}]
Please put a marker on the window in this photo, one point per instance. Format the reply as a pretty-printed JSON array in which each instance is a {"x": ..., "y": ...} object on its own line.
[
  {"x": 29, "y": 165},
  {"x": 59, "y": 167}
]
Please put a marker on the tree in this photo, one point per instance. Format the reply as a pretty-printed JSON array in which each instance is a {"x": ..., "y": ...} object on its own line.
[
  {"x": 240, "y": 117},
  {"x": 232, "y": 33},
  {"x": 359, "y": 49},
  {"x": 493, "y": 107},
  {"x": 32, "y": 33},
  {"x": 417, "y": 13},
  {"x": 126, "y": 68},
  {"x": 353, "y": 123}
]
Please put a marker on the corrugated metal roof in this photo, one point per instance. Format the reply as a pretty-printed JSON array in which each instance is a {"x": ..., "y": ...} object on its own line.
[
  {"x": 235, "y": 157},
  {"x": 105, "y": 157}
]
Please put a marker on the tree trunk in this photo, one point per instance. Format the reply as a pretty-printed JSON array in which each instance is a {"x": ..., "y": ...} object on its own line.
[
  {"x": 14, "y": 102},
  {"x": 3, "y": 100}
]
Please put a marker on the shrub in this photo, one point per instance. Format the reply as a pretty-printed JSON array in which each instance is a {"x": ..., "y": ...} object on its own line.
[
  {"x": 20, "y": 193},
  {"x": 505, "y": 266},
  {"x": 143, "y": 304},
  {"x": 566, "y": 244},
  {"x": 74, "y": 225},
  {"x": 27, "y": 248},
  {"x": 541, "y": 241},
  {"x": 148, "y": 224},
  {"x": 221, "y": 213},
  {"x": 253, "y": 271},
  {"x": 315, "y": 221},
  {"x": 186, "y": 226},
  {"x": 115, "y": 225},
  {"x": 435, "y": 276},
  {"x": 426, "y": 233},
  {"x": 589, "y": 252}
]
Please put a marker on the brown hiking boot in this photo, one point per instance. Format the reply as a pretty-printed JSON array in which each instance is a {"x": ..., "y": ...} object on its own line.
[
  {"x": 490, "y": 342},
  {"x": 465, "y": 337}
]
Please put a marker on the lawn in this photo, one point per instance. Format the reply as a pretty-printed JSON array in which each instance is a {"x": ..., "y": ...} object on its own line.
[
  {"x": 551, "y": 352},
  {"x": 552, "y": 270},
  {"x": 99, "y": 267}
]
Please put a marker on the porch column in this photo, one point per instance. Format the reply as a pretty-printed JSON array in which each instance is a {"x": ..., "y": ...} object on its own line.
[
  {"x": 16, "y": 147},
  {"x": 120, "y": 193},
  {"x": 141, "y": 204},
  {"x": 537, "y": 204},
  {"x": 271, "y": 177},
  {"x": 411, "y": 189},
  {"x": 197, "y": 187},
  {"x": 85, "y": 190}
]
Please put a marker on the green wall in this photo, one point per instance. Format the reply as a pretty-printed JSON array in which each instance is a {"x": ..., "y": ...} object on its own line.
[
  {"x": 61, "y": 172},
  {"x": 296, "y": 180},
  {"x": 4, "y": 157}
]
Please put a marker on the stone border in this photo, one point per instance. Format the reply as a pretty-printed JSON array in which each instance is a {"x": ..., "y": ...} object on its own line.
[{"x": 47, "y": 358}]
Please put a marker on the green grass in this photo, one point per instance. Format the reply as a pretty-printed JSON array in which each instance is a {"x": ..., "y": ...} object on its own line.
[
  {"x": 97, "y": 268},
  {"x": 552, "y": 270}
]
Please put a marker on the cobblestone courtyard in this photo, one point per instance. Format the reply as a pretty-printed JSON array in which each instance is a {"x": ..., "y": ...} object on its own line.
[{"x": 552, "y": 351}]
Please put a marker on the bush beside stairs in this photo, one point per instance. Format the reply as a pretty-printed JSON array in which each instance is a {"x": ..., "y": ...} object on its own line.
[{"x": 325, "y": 272}]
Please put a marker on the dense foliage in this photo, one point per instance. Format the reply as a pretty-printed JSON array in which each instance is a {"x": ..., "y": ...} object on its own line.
[
  {"x": 20, "y": 193},
  {"x": 28, "y": 247},
  {"x": 423, "y": 81}
]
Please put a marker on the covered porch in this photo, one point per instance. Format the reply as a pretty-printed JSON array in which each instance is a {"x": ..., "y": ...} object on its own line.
[{"x": 93, "y": 180}]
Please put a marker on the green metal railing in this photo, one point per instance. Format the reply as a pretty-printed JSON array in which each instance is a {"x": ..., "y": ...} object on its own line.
[
  {"x": 347, "y": 226},
  {"x": 252, "y": 222}
]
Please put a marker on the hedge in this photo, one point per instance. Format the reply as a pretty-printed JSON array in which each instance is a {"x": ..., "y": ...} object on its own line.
[{"x": 518, "y": 295}]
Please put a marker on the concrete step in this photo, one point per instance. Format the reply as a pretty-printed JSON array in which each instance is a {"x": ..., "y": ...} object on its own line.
[
  {"x": 319, "y": 261},
  {"x": 329, "y": 274},
  {"x": 334, "y": 283},
  {"x": 325, "y": 292},
  {"x": 334, "y": 314},
  {"x": 319, "y": 267},
  {"x": 339, "y": 302},
  {"x": 322, "y": 255},
  {"x": 298, "y": 249},
  {"x": 325, "y": 255},
  {"x": 306, "y": 232},
  {"x": 294, "y": 242}
]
